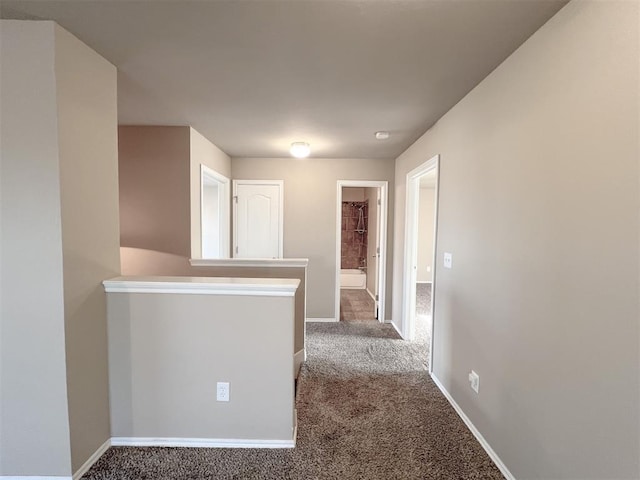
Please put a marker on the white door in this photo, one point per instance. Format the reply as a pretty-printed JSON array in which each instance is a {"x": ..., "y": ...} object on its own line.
[{"x": 258, "y": 219}]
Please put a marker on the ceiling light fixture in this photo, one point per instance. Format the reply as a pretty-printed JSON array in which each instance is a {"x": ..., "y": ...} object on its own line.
[
  {"x": 382, "y": 135},
  {"x": 300, "y": 149}
]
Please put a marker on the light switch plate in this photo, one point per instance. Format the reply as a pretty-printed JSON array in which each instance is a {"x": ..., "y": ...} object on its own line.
[{"x": 448, "y": 260}]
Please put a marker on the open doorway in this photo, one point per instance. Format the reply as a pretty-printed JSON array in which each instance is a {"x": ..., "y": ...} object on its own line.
[
  {"x": 420, "y": 249},
  {"x": 360, "y": 250}
]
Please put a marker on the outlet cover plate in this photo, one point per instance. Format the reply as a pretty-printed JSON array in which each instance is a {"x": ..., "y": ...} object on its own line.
[{"x": 222, "y": 391}]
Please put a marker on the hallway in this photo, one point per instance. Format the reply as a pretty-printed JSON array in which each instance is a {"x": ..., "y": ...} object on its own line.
[{"x": 367, "y": 409}]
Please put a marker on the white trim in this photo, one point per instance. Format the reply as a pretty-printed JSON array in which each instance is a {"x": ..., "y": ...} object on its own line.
[
  {"x": 476, "y": 433},
  {"x": 321, "y": 320},
  {"x": 262, "y": 287},
  {"x": 207, "y": 173},
  {"x": 91, "y": 460},
  {"x": 299, "y": 357},
  {"x": 409, "y": 270},
  {"x": 32, "y": 477},
  {"x": 383, "y": 186},
  {"x": 424, "y": 281},
  {"x": 373, "y": 297},
  {"x": 280, "y": 184},
  {"x": 249, "y": 262},
  {"x": 395, "y": 327},
  {"x": 201, "y": 442}
]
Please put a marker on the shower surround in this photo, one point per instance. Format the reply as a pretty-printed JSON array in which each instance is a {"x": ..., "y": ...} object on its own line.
[{"x": 354, "y": 234}]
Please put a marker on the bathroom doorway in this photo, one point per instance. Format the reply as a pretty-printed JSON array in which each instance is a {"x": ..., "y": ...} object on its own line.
[
  {"x": 360, "y": 250},
  {"x": 420, "y": 253}
]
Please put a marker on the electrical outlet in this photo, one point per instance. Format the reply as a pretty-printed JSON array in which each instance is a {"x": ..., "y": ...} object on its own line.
[
  {"x": 448, "y": 260},
  {"x": 222, "y": 392},
  {"x": 474, "y": 380}
]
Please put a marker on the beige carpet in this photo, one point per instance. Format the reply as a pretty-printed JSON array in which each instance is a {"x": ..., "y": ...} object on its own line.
[{"x": 367, "y": 409}]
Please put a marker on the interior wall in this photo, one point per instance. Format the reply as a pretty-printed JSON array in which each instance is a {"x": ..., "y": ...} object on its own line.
[
  {"x": 310, "y": 196},
  {"x": 542, "y": 299},
  {"x": 88, "y": 146},
  {"x": 203, "y": 152},
  {"x": 352, "y": 194},
  {"x": 161, "y": 392},
  {"x": 154, "y": 180},
  {"x": 426, "y": 214},
  {"x": 34, "y": 418}
]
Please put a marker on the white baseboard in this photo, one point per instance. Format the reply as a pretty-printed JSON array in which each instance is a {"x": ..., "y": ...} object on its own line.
[
  {"x": 31, "y": 477},
  {"x": 424, "y": 281},
  {"x": 395, "y": 327},
  {"x": 332, "y": 319},
  {"x": 91, "y": 460},
  {"x": 200, "y": 442},
  {"x": 373, "y": 297},
  {"x": 298, "y": 358},
  {"x": 492, "y": 454}
]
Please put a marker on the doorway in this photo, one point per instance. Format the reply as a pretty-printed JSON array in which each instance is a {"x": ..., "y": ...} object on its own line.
[
  {"x": 361, "y": 232},
  {"x": 214, "y": 214},
  {"x": 419, "y": 276}
]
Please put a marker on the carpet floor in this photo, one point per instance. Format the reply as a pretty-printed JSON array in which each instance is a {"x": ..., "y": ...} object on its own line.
[{"x": 367, "y": 409}]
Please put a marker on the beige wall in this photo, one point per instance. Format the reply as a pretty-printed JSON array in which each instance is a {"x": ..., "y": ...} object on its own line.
[
  {"x": 203, "y": 152},
  {"x": 542, "y": 300},
  {"x": 147, "y": 262},
  {"x": 155, "y": 201},
  {"x": 160, "y": 187},
  {"x": 352, "y": 194},
  {"x": 426, "y": 212},
  {"x": 371, "y": 194},
  {"x": 34, "y": 423},
  {"x": 310, "y": 195},
  {"x": 59, "y": 241},
  {"x": 164, "y": 370},
  {"x": 88, "y": 146}
]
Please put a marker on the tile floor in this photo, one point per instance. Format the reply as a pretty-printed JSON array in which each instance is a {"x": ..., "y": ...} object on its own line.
[{"x": 356, "y": 305}]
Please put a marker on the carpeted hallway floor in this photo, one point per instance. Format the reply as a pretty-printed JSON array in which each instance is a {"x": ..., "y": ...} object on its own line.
[{"x": 367, "y": 409}]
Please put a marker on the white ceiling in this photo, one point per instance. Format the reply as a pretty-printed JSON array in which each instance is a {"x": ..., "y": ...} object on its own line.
[{"x": 255, "y": 75}]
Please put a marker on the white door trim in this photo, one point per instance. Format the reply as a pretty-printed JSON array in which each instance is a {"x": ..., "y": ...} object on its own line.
[
  {"x": 383, "y": 185},
  {"x": 280, "y": 184},
  {"x": 411, "y": 250},
  {"x": 207, "y": 173}
]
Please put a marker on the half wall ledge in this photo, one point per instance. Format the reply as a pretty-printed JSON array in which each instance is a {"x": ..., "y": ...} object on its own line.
[
  {"x": 264, "y": 287},
  {"x": 250, "y": 262}
]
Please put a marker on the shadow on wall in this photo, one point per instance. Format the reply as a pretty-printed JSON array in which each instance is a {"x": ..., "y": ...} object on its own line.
[{"x": 140, "y": 261}]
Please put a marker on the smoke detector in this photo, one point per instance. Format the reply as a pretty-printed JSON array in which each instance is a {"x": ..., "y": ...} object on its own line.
[{"x": 382, "y": 135}]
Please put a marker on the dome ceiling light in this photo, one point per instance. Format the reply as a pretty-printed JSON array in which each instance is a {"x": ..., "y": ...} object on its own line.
[{"x": 300, "y": 149}]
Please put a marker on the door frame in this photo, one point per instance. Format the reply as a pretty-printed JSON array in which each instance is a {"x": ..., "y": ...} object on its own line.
[
  {"x": 209, "y": 175},
  {"x": 411, "y": 250},
  {"x": 280, "y": 184},
  {"x": 383, "y": 188}
]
